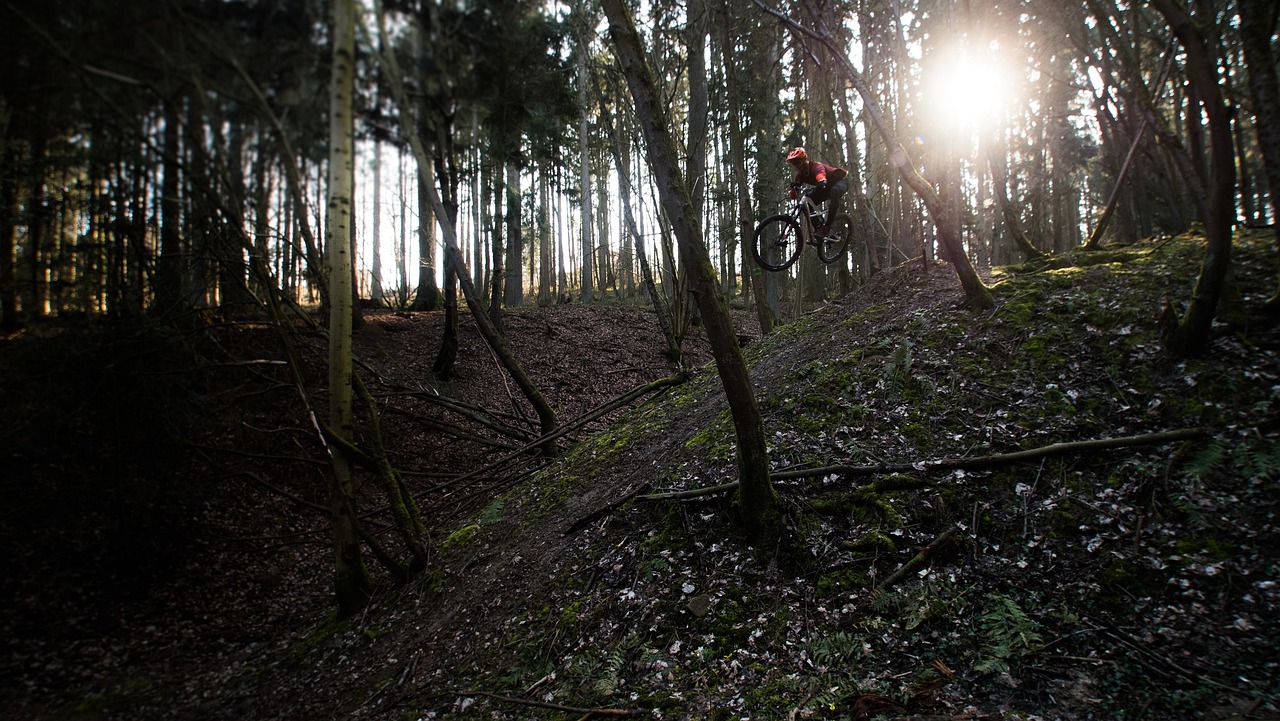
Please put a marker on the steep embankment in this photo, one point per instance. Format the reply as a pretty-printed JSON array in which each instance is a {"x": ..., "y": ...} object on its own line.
[
  {"x": 1138, "y": 581},
  {"x": 1135, "y": 582}
]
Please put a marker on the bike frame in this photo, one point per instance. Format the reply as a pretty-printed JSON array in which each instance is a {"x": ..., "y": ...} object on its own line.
[{"x": 804, "y": 211}]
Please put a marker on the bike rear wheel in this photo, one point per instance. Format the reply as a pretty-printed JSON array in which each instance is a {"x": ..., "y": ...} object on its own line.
[
  {"x": 831, "y": 246},
  {"x": 777, "y": 243}
]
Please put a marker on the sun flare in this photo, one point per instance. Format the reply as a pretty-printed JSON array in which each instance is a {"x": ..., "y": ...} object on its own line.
[{"x": 966, "y": 91}]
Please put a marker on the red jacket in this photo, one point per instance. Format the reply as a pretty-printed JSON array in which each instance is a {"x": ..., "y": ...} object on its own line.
[{"x": 816, "y": 172}]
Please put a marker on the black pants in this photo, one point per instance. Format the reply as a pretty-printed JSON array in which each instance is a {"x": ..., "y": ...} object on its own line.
[{"x": 831, "y": 192}]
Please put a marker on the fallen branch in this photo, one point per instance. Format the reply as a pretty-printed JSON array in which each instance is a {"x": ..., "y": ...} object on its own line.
[
  {"x": 604, "y": 510},
  {"x": 588, "y": 712},
  {"x": 580, "y": 421},
  {"x": 918, "y": 560},
  {"x": 691, "y": 493},
  {"x": 999, "y": 459},
  {"x": 951, "y": 464}
]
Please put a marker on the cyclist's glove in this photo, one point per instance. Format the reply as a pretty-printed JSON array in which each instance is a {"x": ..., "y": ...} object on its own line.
[{"x": 822, "y": 184}]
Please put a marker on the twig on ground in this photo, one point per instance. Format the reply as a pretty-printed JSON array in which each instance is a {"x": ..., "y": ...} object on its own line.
[
  {"x": 919, "y": 559},
  {"x": 617, "y": 712}
]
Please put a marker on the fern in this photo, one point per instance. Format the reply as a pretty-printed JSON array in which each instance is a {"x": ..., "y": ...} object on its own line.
[
  {"x": 835, "y": 650},
  {"x": 606, "y": 684},
  {"x": 1007, "y": 633},
  {"x": 1205, "y": 461},
  {"x": 889, "y": 603},
  {"x": 897, "y": 371},
  {"x": 1259, "y": 459}
]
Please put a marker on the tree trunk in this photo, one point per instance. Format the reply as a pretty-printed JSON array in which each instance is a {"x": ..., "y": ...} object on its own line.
[
  {"x": 456, "y": 263},
  {"x": 1257, "y": 25},
  {"x": 1193, "y": 332},
  {"x": 759, "y": 502},
  {"x": 375, "y": 230},
  {"x": 546, "y": 255},
  {"x": 630, "y": 229},
  {"x": 351, "y": 579},
  {"x": 514, "y": 285},
  {"x": 169, "y": 265},
  {"x": 696, "y": 162},
  {"x": 8, "y": 240},
  {"x": 584, "y": 159},
  {"x": 427, "y": 296},
  {"x": 1012, "y": 223},
  {"x": 442, "y": 368},
  {"x": 402, "y": 270},
  {"x": 33, "y": 300},
  {"x": 497, "y": 275}
]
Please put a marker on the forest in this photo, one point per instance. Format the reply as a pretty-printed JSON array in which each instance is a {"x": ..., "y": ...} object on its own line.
[{"x": 434, "y": 359}]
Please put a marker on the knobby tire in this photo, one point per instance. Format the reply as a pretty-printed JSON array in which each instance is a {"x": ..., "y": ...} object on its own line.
[
  {"x": 777, "y": 242},
  {"x": 832, "y": 245}
]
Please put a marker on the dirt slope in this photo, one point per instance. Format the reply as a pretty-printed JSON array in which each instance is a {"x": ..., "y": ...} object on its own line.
[{"x": 1134, "y": 583}]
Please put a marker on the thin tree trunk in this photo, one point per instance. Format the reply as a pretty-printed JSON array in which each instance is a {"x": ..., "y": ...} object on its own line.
[
  {"x": 497, "y": 255},
  {"x": 624, "y": 188},
  {"x": 375, "y": 234},
  {"x": 1257, "y": 25},
  {"x": 584, "y": 161},
  {"x": 1193, "y": 332},
  {"x": 8, "y": 237},
  {"x": 759, "y": 501},
  {"x": 514, "y": 286},
  {"x": 495, "y": 339},
  {"x": 402, "y": 270},
  {"x": 351, "y": 580},
  {"x": 1012, "y": 223},
  {"x": 169, "y": 266}
]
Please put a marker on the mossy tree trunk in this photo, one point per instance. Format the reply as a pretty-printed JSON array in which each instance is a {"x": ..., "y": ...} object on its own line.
[{"x": 758, "y": 500}]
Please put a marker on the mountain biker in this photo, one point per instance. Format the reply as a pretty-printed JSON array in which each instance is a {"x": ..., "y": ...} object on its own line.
[{"x": 829, "y": 183}]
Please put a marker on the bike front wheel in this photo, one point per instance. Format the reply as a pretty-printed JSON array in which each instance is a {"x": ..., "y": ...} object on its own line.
[
  {"x": 831, "y": 246},
  {"x": 777, "y": 242}
]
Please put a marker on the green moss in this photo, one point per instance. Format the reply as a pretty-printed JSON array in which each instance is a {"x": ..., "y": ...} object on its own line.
[
  {"x": 1125, "y": 580},
  {"x": 569, "y": 614},
  {"x": 835, "y": 584},
  {"x": 460, "y": 537},
  {"x": 1206, "y": 547},
  {"x": 874, "y": 540}
]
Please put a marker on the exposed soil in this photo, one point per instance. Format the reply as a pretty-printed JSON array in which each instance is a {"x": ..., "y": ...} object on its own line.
[{"x": 169, "y": 553}]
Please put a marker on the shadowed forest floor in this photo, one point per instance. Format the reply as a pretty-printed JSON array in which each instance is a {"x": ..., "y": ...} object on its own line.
[{"x": 168, "y": 550}]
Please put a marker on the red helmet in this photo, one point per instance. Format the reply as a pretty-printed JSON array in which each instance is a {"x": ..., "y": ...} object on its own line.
[{"x": 797, "y": 154}]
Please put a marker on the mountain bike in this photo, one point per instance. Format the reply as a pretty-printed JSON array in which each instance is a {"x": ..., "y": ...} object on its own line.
[{"x": 779, "y": 239}]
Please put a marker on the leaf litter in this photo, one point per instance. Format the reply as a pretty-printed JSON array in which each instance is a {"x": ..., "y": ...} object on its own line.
[{"x": 1138, "y": 582}]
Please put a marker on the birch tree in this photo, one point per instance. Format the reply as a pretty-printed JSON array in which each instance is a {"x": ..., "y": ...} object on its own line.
[{"x": 351, "y": 580}]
